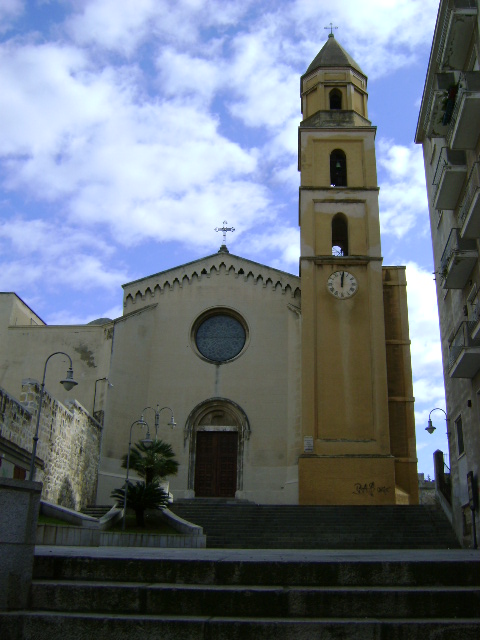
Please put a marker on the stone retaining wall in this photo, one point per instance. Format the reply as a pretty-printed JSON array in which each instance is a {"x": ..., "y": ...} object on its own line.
[{"x": 68, "y": 448}]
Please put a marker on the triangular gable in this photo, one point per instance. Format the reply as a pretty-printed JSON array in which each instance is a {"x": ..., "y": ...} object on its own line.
[{"x": 145, "y": 289}]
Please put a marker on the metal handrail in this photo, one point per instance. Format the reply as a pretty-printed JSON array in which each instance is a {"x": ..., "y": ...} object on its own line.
[
  {"x": 450, "y": 248},
  {"x": 457, "y": 4},
  {"x": 473, "y": 183},
  {"x": 461, "y": 340}
]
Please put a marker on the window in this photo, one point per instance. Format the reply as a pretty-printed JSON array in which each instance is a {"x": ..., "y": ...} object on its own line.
[
  {"x": 339, "y": 235},
  {"x": 219, "y": 336},
  {"x": 335, "y": 99},
  {"x": 338, "y": 169},
  {"x": 459, "y": 430}
]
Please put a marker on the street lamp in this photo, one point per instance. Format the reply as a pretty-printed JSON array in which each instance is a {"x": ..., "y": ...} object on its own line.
[
  {"x": 171, "y": 423},
  {"x": 68, "y": 384},
  {"x": 147, "y": 442},
  {"x": 430, "y": 428}
]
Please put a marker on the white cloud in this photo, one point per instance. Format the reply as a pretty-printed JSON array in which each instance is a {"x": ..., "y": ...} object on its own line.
[
  {"x": 51, "y": 254},
  {"x": 183, "y": 75},
  {"x": 113, "y": 24},
  {"x": 122, "y": 26},
  {"x": 10, "y": 10},
  {"x": 282, "y": 242},
  {"x": 424, "y": 328},
  {"x": 67, "y": 317},
  {"x": 381, "y": 43},
  {"x": 403, "y": 197}
]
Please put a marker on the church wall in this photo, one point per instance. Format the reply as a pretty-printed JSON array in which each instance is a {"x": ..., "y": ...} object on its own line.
[
  {"x": 263, "y": 381},
  {"x": 25, "y": 349}
]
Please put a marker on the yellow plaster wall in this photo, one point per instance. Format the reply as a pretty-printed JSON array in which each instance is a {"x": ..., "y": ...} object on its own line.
[
  {"x": 399, "y": 376},
  {"x": 316, "y": 89},
  {"x": 350, "y": 480},
  {"x": 358, "y": 147}
]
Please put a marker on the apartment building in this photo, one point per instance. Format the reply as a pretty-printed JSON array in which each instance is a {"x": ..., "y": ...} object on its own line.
[{"x": 449, "y": 131}]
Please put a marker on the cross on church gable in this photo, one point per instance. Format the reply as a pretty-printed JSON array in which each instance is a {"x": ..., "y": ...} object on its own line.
[{"x": 224, "y": 230}]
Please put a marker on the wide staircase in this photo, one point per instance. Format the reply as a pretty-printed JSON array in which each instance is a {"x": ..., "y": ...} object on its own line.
[
  {"x": 232, "y": 525},
  {"x": 250, "y": 595}
]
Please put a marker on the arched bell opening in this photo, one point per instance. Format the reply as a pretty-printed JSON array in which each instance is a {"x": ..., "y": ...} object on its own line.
[
  {"x": 339, "y": 235},
  {"x": 338, "y": 168},
  {"x": 335, "y": 97}
]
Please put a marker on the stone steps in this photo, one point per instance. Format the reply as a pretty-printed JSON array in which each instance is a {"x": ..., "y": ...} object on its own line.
[
  {"x": 214, "y": 595},
  {"x": 303, "y": 527},
  {"x": 96, "y": 511}
]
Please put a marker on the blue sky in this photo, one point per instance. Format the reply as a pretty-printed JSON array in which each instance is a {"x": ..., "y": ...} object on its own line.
[{"x": 130, "y": 130}]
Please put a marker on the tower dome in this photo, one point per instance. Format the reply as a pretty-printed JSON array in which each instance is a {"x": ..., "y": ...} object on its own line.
[{"x": 332, "y": 54}]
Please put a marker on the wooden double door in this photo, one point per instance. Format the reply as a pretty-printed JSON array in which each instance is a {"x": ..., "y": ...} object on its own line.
[{"x": 216, "y": 464}]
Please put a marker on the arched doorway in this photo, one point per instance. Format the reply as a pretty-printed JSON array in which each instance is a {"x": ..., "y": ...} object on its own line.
[{"x": 216, "y": 430}]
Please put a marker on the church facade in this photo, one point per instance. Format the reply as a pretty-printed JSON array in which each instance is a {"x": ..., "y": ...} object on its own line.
[{"x": 285, "y": 389}]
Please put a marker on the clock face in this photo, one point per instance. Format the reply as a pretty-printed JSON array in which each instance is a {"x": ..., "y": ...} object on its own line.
[{"x": 342, "y": 284}]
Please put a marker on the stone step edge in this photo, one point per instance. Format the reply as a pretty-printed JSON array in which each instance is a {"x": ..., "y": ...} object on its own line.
[
  {"x": 134, "y": 618},
  {"x": 430, "y": 588}
]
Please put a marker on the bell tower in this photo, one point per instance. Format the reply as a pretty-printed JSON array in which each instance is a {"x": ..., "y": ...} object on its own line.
[{"x": 345, "y": 418}]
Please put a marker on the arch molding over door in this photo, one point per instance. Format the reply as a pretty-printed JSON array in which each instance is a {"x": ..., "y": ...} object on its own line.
[{"x": 216, "y": 431}]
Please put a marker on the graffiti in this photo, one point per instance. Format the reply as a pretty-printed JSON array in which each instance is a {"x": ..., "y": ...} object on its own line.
[{"x": 369, "y": 489}]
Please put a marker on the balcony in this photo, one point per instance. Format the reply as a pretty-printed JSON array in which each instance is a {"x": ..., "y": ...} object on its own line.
[
  {"x": 469, "y": 211},
  {"x": 449, "y": 177},
  {"x": 438, "y": 115},
  {"x": 458, "y": 259},
  {"x": 464, "y": 126},
  {"x": 456, "y": 34},
  {"x": 464, "y": 355}
]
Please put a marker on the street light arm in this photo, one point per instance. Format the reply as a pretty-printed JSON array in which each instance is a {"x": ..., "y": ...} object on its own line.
[
  {"x": 51, "y": 356},
  {"x": 438, "y": 409},
  {"x": 143, "y": 423},
  {"x": 39, "y": 410},
  {"x": 157, "y": 417}
]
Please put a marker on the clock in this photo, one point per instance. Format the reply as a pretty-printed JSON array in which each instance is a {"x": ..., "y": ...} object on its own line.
[{"x": 342, "y": 284}]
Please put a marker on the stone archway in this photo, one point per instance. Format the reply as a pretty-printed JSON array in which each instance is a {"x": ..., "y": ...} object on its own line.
[{"x": 216, "y": 431}]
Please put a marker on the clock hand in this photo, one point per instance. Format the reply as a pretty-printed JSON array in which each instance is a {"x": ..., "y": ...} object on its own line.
[{"x": 341, "y": 281}]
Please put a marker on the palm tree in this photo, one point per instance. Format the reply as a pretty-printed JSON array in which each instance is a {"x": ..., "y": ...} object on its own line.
[
  {"x": 142, "y": 496},
  {"x": 152, "y": 463}
]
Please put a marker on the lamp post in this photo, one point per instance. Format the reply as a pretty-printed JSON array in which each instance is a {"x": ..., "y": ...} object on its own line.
[
  {"x": 95, "y": 393},
  {"x": 68, "y": 384},
  {"x": 147, "y": 442},
  {"x": 430, "y": 428},
  {"x": 157, "y": 411}
]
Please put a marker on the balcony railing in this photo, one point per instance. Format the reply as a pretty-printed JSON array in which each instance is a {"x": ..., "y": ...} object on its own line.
[
  {"x": 456, "y": 34},
  {"x": 464, "y": 126},
  {"x": 436, "y": 122},
  {"x": 458, "y": 259},
  {"x": 449, "y": 177},
  {"x": 469, "y": 210},
  {"x": 464, "y": 354}
]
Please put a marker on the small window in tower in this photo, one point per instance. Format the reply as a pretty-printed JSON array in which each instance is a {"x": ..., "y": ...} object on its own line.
[
  {"x": 339, "y": 235},
  {"x": 338, "y": 169},
  {"x": 335, "y": 99}
]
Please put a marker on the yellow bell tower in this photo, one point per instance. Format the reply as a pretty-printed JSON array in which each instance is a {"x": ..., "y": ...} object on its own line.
[{"x": 347, "y": 455}]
